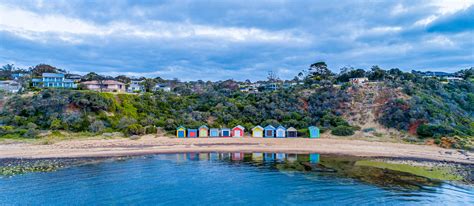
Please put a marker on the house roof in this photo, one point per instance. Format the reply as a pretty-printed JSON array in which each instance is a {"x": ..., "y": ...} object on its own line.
[
  {"x": 268, "y": 127},
  {"x": 240, "y": 127},
  {"x": 257, "y": 127},
  {"x": 291, "y": 129},
  {"x": 52, "y": 75}
]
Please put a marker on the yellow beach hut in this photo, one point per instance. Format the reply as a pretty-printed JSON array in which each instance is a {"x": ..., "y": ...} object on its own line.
[
  {"x": 257, "y": 131},
  {"x": 203, "y": 131}
]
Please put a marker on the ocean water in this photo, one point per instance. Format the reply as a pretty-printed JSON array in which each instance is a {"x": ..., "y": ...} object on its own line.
[{"x": 228, "y": 179}]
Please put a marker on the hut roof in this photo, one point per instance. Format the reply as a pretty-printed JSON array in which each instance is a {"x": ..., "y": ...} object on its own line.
[
  {"x": 281, "y": 127},
  {"x": 180, "y": 127},
  {"x": 240, "y": 127},
  {"x": 269, "y": 127},
  {"x": 214, "y": 129},
  {"x": 313, "y": 127},
  {"x": 203, "y": 127},
  {"x": 291, "y": 129},
  {"x": 257, "y": 127},
  {"x": 225, "y": 129}
]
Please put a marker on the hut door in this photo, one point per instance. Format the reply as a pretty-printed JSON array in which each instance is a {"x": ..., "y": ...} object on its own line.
[
  {"x": 237, "y": 133},
  {"x": 180, "y": 133},
  {"x": 269, "y": 133}
]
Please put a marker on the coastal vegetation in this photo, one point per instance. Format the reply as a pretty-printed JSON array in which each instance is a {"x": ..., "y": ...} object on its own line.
[{"x": 416, "y": 105}]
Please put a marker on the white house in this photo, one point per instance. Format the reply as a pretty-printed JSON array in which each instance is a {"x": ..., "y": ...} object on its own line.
[
  {"x": 359, "y": 80},
  {"x": 135, "y": 86},
  {"x": 10, "y": 86}
]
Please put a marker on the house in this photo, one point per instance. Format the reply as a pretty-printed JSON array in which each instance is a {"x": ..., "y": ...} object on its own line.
[
  {"x": 291, "y": 132},
  {"x": 359, "y": 80},
  {"x": 162, "y": 87},
  {"x": 280, "y": 132},
  {"x": 53, "y": 80},
  {"x": 181, "y": 132},
  {"x": 313, "y": 132},
  {"x": 269, "y": 131},
  {"x": 257, "y": 131},
  {"x": 16, "y": 76},
  {"x": 238, "y": 131},
  {"x": 214, "y": 132},
  {"x": 225, "y": 132},
  {"x": 74, "y": 77},
  {"x": 10, "y": 86},
  {"x": 192, "y": 133},
  {"x": 135, "y": 86},
  {"x": 105, "y": 86},
  {"x": 203, "y": 131}
]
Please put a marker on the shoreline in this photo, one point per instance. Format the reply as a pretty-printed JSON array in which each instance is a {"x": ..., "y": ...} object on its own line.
[{"x": 148, "y": 145}]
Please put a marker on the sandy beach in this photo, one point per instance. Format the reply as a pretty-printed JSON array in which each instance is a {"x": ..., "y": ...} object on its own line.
[{"x": 155, "y": 145}]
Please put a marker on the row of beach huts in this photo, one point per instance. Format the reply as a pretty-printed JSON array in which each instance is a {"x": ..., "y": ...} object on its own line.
[{"x": 239, "y": 131}]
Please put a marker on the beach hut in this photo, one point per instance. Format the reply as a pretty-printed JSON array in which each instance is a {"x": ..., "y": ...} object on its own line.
[
  {"x": 203, "y": 131},
  {"x": 269, "y": 131},
  {"x": 225, "y": 132},
  {"x": 280, "y": 132},
  {"x": 291, "y": 132},
  {"x": 238, "y": 131},
  {"x": 257, "y": 131},
  {"x": 192, "y": 133},
  {"x": 181, "y": 132},
  {"x": 313, "y": 132},
  {"x": 214, "y": 132}
]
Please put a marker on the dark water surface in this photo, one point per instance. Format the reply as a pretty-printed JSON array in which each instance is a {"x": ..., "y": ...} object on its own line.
[{"x": 229, "y": 179}]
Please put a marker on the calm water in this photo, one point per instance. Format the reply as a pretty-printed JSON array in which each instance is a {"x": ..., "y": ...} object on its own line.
[{"x": 228, "y": 179}]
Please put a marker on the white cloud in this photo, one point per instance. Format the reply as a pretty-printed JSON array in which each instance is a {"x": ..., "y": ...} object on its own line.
[
  {"x": 27, "y": 24},
  {"x": 444, "y": 7}
]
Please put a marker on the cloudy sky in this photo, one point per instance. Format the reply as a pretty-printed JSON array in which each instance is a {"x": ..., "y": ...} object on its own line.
[{"x": 214, "y": 40}]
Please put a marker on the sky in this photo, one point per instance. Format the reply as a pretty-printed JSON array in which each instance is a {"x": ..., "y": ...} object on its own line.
[{"x": 239, "y": 39}]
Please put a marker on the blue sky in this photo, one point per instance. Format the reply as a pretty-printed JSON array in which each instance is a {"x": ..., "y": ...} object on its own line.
[{"x": 216, "y": 40}]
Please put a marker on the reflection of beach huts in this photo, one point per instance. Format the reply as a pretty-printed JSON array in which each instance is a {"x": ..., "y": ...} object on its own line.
[
  {"x": 237, "y": 156},
  {"x": 225, "y": 132},
  {"x": 269, "y": 157},
  {"x": 314, "y": 158},
  {"x": 192, "y": 133},
  {"x": 313, "y": 132},
  {"x": 214, "y": 156},
  {"x": 280, "y": 156},
  {"x": 181, "y": 132},
  {"x": 203, "y": 131},
  {"x": 292, "y": 157},
  {"x": 214, "y": 132},
  {"x": 280, "y": 132},
  {"x": 291, "y": 132},
  {"x": 257, "y": 131},
  {"x": 238, "y": 131},
  {"x": 269, "y": 131},
  {"x": 257, "y": 157}
]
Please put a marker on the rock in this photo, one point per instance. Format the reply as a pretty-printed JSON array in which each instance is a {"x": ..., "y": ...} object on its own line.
[{"x": 134, "y": 137}]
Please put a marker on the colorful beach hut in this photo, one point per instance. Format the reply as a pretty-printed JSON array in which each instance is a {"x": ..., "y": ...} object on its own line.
[
  {"x": 181, "y": 132},
  {"x": 280, "y": 132},
  {"x": 214, "y": 132},
  {"x": 225, "y": 132},
  {"x": 203, "y": 131},
  {"x": 192, "y": 133},
  {"x": 257, "y": 131},
  {"x": 238, "y": 131},
  {"x": 313, "y": 132},
  {"x": 291, "y": 132},
  {"x": 269, "y": 131}
]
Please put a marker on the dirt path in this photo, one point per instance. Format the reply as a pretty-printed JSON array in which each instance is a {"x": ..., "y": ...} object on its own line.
[{"x": 151, "y": 145}]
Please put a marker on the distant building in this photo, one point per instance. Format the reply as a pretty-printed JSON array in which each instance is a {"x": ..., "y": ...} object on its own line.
[
  {"x": 162, "y": 87},
  {"x": 10, "y": 86},
  {"x": 53, "y": 80},
  {"x": 249, "y": 87},
  {"x": 74, "y": 77},
  {"x": 450, "y": 79},
  {"x": 105, "y": 86},
  {"x": 17, "y": 76},
  {"x": 360, "y": 80},
  {"x": 135, "y": 86}
]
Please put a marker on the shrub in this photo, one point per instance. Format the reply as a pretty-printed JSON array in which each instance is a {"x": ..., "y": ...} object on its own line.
[
  {"x": 97, "y": 126},
  {"x": 342, "y": 131},
  {"x": 134, "y": 129},
  {"x": 150, "y": 130}
]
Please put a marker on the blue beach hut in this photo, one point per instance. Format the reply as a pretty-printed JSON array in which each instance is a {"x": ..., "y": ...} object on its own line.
[
  {"x": 313, "y": 132},
  {"x": 269, "y": 131},
  {"x": 280, "y": 132},
  {"x": 225, "y": 132},
  {"x": 192, "y": 133},
  {"x": 181, "y": 132},
  {"x": 214, "y": 132}
]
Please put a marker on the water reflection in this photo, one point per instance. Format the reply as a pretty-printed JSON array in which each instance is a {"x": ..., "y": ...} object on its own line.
[{"x": 316, "y": 165}]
